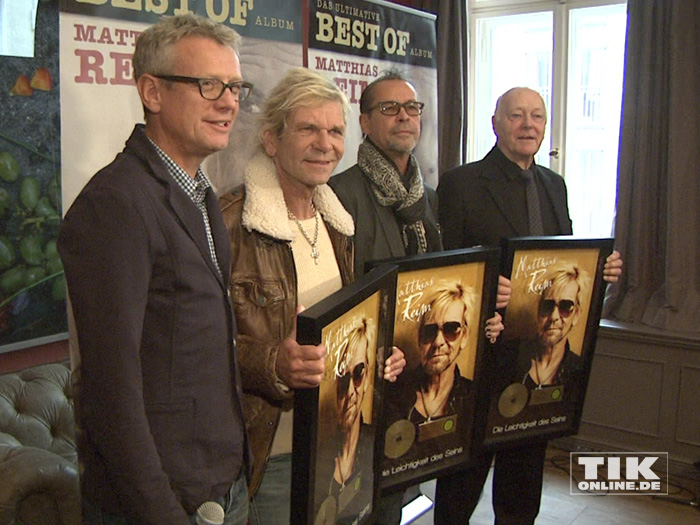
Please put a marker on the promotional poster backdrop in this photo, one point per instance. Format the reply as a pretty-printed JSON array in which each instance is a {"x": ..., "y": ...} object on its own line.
[
  {"x": 430, "y": 420},
  {"x": 335, "y": 425},
  {"x": 53, "y": 141},
  {"x": 32, "y": 284},
  {"x": 547, "y": 346},
  {"x": 350, "y": 42}
]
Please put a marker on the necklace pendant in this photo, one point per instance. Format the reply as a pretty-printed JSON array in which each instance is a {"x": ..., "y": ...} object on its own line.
[{"x": 314, "y": 254}]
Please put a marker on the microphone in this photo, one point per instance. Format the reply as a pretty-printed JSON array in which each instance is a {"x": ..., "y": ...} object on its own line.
[{"x": 210, "y": 513}]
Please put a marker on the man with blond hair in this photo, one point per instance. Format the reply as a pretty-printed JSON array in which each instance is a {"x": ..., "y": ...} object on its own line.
[
  {"x": 551, "y": 361},
  {"x": 437, "y": 388},
  {"x": 290, "y": 238}
]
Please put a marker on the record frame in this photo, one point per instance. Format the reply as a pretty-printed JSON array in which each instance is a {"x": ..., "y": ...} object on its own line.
[
  {"x": 335, "y": 424},
  {"x": 539, "y": 373},
  {"x": 418, "y": 444}
]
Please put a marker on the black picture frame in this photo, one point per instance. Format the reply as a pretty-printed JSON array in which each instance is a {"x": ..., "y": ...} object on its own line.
[
  {"x": 539, "y": 370},
  {"x": 417, "y": 445},
  {"x": 333, "y": 438}
]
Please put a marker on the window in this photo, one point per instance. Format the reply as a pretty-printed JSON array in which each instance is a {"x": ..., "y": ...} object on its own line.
[{"x": 572, "y": 53}]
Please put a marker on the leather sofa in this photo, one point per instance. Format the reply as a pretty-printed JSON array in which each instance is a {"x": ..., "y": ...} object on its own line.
[{"x": 38, "y": 456}]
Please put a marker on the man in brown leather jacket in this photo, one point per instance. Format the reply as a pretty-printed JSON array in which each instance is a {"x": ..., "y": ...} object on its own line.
[{"x": 290, "y": 240}]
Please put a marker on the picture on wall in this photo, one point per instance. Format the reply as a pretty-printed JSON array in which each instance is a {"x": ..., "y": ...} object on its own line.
[
  {"x": 430, "y": 421},
  {"x": 335, "y": 425},
  {"x": 551, "y": 324},
  {"x": 32, "y": 282}
]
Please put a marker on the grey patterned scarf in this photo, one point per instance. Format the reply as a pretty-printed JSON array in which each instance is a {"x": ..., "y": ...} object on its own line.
[{"x": 405, "y": 199}]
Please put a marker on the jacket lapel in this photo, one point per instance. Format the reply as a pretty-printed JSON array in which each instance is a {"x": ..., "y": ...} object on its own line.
[
  {"x": 190, "y": 218},
  {"x": 187, "y": 213},
  {"x": 494, "y": 187},
  {"x": 559, "y": 205},
  {"x": 394, "y": 239},
  {"x": 220, "y": 236}
]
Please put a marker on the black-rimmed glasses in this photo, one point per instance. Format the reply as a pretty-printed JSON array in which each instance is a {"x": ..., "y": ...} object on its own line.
[
  {"x": 451, "y": 330},
  {"x": 565, "y": 306},
  {"x": 392, "y": 108},
  {"x": 212, "y": 88},
  {"x": 357, "y": 375}
]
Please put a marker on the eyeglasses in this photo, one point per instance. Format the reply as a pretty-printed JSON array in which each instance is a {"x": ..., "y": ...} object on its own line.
[
  {"x": 357, "y": 375},
  {"x": 212, "y": 88},
  {"x": 451, "y": 330},
  {"x": 565, "y": 306},
  {"x": 392, "y": 108}
]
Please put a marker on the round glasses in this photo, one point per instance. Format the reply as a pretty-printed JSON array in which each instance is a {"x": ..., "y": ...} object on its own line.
[
  {"x": 565, "y": 306},
  {"x": 451, "y": 330},
  {"x": 392, "y": 108},
  {"x": 212, "y": 88},
  {"x": 357, "y": 374}
]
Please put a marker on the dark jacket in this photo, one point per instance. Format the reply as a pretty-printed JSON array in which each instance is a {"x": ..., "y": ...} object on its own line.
[
  {"x": 569, "y": 371},
  {"x": 483, "y": 202},
  {"x": 377, "y": 231},
  {"x": 264, "y": 290},
  {"x": 158, "y": 395}
]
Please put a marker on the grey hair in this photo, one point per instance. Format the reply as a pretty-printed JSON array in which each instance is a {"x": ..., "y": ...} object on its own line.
[{"x": 153, "y": 53}]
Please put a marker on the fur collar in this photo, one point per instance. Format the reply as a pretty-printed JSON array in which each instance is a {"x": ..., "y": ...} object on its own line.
[{"x": 264, "y": 209}]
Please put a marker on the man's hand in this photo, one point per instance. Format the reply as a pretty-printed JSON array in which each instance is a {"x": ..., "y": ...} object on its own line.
[
  {"x": 394, "y": 364},
  {"x": 613, "y": 267},
  {"x": 504, "y": 292},
  {"x": 300, "y": 366},
  {"x": 494, "y": 327}
]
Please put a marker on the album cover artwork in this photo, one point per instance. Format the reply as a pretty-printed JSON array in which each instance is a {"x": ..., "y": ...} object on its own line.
[
  {"x": 430, "y": 419},
  {"x": 546, "y": 349},
  {"x": 335, "y": 425}
]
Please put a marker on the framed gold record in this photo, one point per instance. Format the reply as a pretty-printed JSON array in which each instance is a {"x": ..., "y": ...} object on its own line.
[
  {"x": 336, "y": 424},
  {"x": 542, "y": 360},
  {"x": 430, "y": 413}
]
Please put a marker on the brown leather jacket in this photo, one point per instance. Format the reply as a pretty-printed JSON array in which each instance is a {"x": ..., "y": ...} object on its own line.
[{"x": 264, "y": 291}]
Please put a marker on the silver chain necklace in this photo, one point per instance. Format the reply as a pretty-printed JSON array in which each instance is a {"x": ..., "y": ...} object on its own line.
[{"x": 314, "y": 244}]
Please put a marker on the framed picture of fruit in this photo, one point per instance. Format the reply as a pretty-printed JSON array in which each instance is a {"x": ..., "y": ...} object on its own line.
[{"x": 32, "y": 286}]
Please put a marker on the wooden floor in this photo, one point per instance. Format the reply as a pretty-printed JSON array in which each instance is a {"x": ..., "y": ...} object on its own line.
[{"x": 559, "y": 507}]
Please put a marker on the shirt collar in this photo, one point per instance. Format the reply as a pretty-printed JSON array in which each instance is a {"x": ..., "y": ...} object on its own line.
[
  {"x": 195, "y": 188},
  {"x": 510, "y": 168}
]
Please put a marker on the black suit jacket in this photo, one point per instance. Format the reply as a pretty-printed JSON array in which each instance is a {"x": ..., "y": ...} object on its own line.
[{"x": 480, "y": 203}]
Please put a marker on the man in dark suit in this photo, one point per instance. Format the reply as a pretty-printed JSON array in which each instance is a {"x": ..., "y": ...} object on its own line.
[
  {"x": 485, "y": 201},
  {"x": 504, "y": 195},
  {"x": 146, "y": 258}
]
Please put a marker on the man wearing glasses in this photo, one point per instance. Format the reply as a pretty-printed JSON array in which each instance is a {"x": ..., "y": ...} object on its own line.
[
  {"x": 443, "y": 333},
  {"x": 395, "y": 213},
  {"x": 158, "y": 392},
  {"x": 551, "y": 361}
]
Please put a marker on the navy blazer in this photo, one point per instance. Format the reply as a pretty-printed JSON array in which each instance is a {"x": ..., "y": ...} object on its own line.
[{"x": 158, "y": 394}]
